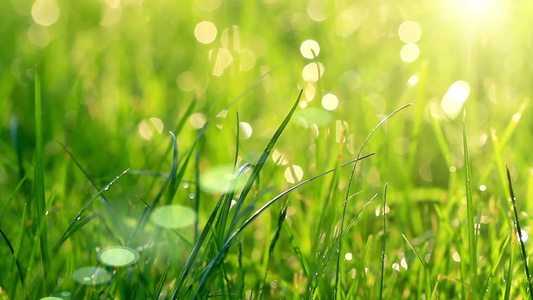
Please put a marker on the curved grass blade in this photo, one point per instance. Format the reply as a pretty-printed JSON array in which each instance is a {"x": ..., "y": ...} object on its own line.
[
  {"x": 520, "y": 239},
  {"x": 338, "y": 281},
  {"x": 259, "y": 165},
  {"x": 73, "y": 225},
  {"x": 13, "y": 254},
  {"x": 495, "y": 266},
  {"x": 270, "y": 253},
  {"x": 109, "y": 208},
  {"x": 232, "y": 238},
  {"x": 424, "y": 265},
  {"x": 78, "y": 225},
  {"x": 18, "y": 242},
  {"x": 199, "y": 242}
]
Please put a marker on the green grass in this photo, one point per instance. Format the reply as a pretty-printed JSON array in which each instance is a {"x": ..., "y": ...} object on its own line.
[{"x": 129, "y": 115}]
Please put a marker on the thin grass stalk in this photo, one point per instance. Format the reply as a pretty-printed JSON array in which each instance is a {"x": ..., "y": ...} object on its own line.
[
  {"x": 520, "y": 239},
  {"x": 383, "y": 243},
  {"x": 348, "y": 192}
]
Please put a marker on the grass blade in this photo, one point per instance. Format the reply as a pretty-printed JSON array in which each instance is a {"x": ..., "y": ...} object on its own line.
[
  {"x": 162, "y": 280},
  {"x": 424, "y": 265},
  {"x": 470, "y": 212},
  {"x": 338, "y": 282},
  {"x": 520, "y": 240},
  {"x": 383, "y": 243},
  {"x": 509, "y": 279},
  {"x": 40, "y": 201},
  {"x": 259, "y": 165},
  {"x": 495, "y": 266},
  {"x": 74, "y": 226},
  {"x": 256, "y": 214},
  {"x": 13, "y": 253}
]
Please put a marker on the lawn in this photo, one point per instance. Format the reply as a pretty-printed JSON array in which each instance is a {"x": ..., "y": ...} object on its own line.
[{"x": 265, "y": 149}]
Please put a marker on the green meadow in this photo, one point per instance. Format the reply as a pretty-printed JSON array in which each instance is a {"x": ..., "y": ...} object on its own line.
[{"x": 265, "y": 149}]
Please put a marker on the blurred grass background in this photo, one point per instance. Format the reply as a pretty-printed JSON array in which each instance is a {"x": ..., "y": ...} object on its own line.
[{"x": 118, "y": 75}]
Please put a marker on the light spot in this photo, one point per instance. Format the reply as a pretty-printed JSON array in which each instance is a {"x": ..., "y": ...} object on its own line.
[
  {"x": 330, "y": 102},
  {"x": 409, "y": 52},
  {"x": 187, "y": 81},
  {"x": 453, "y": 169},
  {"x": 348, "y": 256},
  {"x": 197, "y": 120},
  {"x": 245, "y": 130},
  {"x": 118, "y": 256},
  {"x": 207, "y": 5},
  {"x": 377, "y": 101},
  {"x": 413, "y": 80},
  {"x": 349, "y": 20},
  {"x": 246, "y": 60},
  {"x": 223, "y": 60},
  {"x": 111, "y": 15},
  {"x": 373, "y": 177},
  {"x": 396, "y": 267},
  {"x": 294, "y": 173},
  {"x": 217, "y": 179},
  {"x": 45, "y": 12},
  {"x": 341, "y": 130},
  {"x": 516, "y": 118},
  {"x": 91, "y": 275},
  {"x": 425, "y": 172},
  {"x": 279, "y": 158},
  {"x": 113, "y": 3},
  {"x": 409, "y": 32},
  {"x": 38, "y": 35},
  {"x": 205, "y": 32},
  {"x": 453, "y": 100},
  {"x": 316, "y": 10},
  {"x": 482, "y": 188},
  {"x": 309, "y": 47},
  {"x": 525, "y": 236},
  {"x": 401, "y": 145},
  {"x": 311, "y": 72},
  {"x": 173, "y": 216},
  {"x": 456, "y": 257},
  {"x": 403, "y": 263},
  {"x": 147, "y": 128},
  {"x": 309, "y": 92}
]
